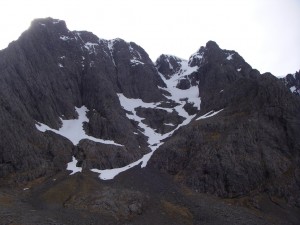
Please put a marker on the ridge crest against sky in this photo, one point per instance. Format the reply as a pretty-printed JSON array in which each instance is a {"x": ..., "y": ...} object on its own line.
[{"x": 265, "y": 32}]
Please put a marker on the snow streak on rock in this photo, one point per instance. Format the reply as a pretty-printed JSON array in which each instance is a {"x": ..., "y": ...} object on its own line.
[
  {"x": 73, "y": 129},
  {"x": 155, "y": 140},
  {"x": 209, "y": 114},
  {"x": 91, "y": 47},
  {"x": 229, "y": 57},
  {"x": 72, "y": 166},
  {"x": 178, "y": 95},
  {"x": 136, "y": 62}
]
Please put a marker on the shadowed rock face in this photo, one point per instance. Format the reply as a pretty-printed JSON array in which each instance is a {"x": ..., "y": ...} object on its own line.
[
  {"x": 251, "y": 146},
  {"x": 48, "y": 71},
  {"x": 292, "y": 81},
  {"x": 168, "y": 65}
]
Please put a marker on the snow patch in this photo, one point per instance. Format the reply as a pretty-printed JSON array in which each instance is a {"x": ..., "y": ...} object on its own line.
[
  {"x": 91, "y": 47},
  {"x": 170, "y": 65},
  {"x": 92, "y": 63},
  {"x": 209, "y": 114},
  {"x": 130, "y": 104},
  {"x": 198, "y": 56},
  {"x": 136, "y": 62},
  {"x": 110, "y": 45},
  {"x": 190, "y": 95},
  {"x": 73, "y": 129},
  {"x": 229, "y": 57},
  {"x": 134, "y": 53},
  {"x": 72, "y": 166},
  {"x": 109, "y": 174},
  {"x": 169, "y": 124},
  {"x": 186, "y": 69},
  {"x": 56, "y": 21},
  {"x": 293, "y": 88},
  {"x": 154, "y": 138},
  {"x": 64, "y": 38}
]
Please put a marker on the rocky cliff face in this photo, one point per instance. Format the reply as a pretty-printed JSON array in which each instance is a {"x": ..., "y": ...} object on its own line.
[
  {"x": 245, "y": 138},
  {"x": 47, "y": 72},
  {"x": 212, "y": 122},
  {"x": 292, "y": 81}
]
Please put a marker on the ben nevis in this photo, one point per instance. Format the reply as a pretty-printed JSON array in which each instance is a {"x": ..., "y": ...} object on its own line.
[{"x": 94, "y": 132}]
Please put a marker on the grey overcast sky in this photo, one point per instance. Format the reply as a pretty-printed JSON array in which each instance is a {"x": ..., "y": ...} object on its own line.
[{"x": 265, "y": 32}]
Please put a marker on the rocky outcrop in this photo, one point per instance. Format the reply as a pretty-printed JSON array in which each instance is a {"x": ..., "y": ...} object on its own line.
[
  {"x": 168, "y": 65},
  {"x": 160, "y": 120},
  {"x": 250, "y": 146},
  {"x": 47, "y": 72},
  {"x": 122, "y": 204},
  {"x": 136, "y": 74},
  {"x": 102, "y": 156},
  {"x": 292, "y": 81},
  {"x": 218, "y": 69}
]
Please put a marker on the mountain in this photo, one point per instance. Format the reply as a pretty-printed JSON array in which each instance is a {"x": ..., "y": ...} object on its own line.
[
  {"x": 248, "y": 125},
  {"x": 197, "y": 141}
]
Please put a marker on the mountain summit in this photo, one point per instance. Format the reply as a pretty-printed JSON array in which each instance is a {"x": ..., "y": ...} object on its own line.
[{"x": 165, "y": 136}]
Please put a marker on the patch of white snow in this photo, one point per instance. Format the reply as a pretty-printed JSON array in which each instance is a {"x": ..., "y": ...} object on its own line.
[
  {"x": 73, "y": 129},
  {"x": 136, "y": 62},
  {"x": 209, "y": 114},
  {"x": 110, "y": 45},
  {"x": 229, "y": 57},
  {"x": 197, "y": 55},
  {"x": 72, "y": 166},
  {"x": 135, "y": 54},
  {"x": 64, "y": 38},
  {"x": 293, "y": 88},
  {"x": 169, "y": 124},
  {"x": 91, "y": 47}
]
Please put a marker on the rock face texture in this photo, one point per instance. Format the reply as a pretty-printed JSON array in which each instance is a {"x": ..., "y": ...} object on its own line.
[
  {"x": 292, "y": 81},
  {"x": 213, "y": 123},
  {"x": 250, "y": 146},
  {"x": 47, "y": 72},
  {"x": 168, "y": 65}
]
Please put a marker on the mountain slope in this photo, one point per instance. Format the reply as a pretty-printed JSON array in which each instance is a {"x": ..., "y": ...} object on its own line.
[
  {"x": 247, "y": 134},
  {"x": 210, "y": 124},
  {"x": 49, "y": 71}
]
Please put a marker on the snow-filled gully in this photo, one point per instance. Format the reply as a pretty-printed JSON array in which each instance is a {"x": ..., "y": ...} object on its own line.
[{"x": 73, "y": 129}]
